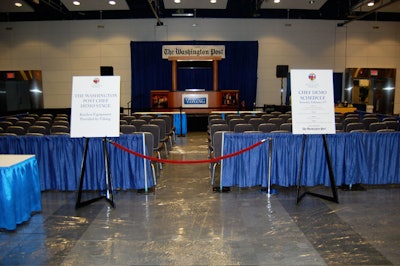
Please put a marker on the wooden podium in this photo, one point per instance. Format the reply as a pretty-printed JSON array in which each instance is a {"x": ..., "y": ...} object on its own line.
[{"x": 163, "y": 100}]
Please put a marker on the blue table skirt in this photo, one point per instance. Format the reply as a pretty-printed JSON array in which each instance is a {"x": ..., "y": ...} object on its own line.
[
  {"x": 20, "y": 193},
  {"x": 366, "y": 158},
  {"x": 180, "y": 123},
  {"x": 59, "y": 159}
]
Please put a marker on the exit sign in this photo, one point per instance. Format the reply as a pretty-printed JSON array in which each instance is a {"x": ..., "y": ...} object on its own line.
[{"x": 10, "y": 75}]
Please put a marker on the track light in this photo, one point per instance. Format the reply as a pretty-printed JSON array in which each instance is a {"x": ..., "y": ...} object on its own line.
[{"x": 372, "y": 3}]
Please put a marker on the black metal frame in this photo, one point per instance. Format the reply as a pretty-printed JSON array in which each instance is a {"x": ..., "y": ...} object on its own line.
[
  {"x": 334, "y": 197},
  {"x": 109, "y": 192}
]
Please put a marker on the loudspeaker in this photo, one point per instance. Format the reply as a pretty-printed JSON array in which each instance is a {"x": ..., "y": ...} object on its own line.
[
  {"x": 106, "y": 71},
  {"x": 282, "y": 71}
]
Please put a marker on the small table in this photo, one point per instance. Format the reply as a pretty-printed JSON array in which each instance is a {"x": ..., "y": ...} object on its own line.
[
  {"x": 19, "y": 189},
  {"x": 344, "y": 110}
]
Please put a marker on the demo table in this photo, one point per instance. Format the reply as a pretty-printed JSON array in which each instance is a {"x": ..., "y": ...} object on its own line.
[
  {"x": 357, "y": 158},
  {"x": 19, "y": 189}
]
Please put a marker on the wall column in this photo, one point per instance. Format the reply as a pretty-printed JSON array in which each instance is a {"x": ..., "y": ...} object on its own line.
[
  {"x": 174, "y": 76},
  {"x": 215, "y": 75}
]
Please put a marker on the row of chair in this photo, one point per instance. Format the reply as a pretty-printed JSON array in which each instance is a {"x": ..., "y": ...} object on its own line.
[
  {"x": 33, "y": 124},
  {"x": 368, "y": 123},
  {"x": 286, "y": 120},
  {"x": 253, "y": 121}
]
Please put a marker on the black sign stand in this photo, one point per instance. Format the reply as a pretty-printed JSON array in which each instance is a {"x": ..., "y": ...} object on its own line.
[
  {"x": 109, "y": 193},
  {"x": 334, "y": 197}
]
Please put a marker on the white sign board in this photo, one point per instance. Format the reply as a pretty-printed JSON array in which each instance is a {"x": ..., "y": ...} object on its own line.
[
  {"x": 95, "y": 106},
  {"x": 194, "y": 100},
  {"x": 313, "y": 110},
  {"x": 193, "y": 51}
]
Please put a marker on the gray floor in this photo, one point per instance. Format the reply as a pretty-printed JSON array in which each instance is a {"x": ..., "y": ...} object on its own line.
[{"x": 185, "y": 223}]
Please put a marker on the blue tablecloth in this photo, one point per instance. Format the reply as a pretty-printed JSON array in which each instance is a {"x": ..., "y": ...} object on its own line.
[
  {"x": 366, "y": 158},
  {"x": 19, "y": 193},
  {"x": 180, "y": 123},
  {"x": 59, "y": 160}
]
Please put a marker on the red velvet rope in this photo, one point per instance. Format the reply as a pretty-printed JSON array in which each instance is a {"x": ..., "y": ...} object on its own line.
[{"x": 214, "y": 160}]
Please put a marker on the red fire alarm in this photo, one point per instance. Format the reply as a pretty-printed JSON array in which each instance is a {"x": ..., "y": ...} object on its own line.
[{"x": 10, "y": 75}]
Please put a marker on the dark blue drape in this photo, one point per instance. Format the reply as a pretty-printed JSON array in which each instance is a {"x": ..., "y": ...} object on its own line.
[
  {"x": 238, "y": 71},
  {"x": 367, "y": 158},
  {"x": 59, "y": 161}
]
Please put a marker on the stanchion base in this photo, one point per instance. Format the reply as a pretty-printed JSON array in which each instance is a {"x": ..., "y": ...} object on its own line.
[
  {"x": 224, "y": 189},
  {"x": 149, "y": 190},
  {"x": 272, "y": 191}
]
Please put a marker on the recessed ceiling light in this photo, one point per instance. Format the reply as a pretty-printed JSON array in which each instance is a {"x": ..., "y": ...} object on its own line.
[
  {"x": 76, "y": 3},
  {"x": 372, "y": 3},
  {"x": 311, "y": 2},
  {"x": 18, "y": 4},
  {"x": 277, "y": 1},
  {"x": 113, "y": 3},
  {"x": 177, "y": 1},
  {"x": 213, "y": 1}
]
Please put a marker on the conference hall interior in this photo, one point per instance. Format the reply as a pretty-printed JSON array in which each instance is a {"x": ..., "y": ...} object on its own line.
[{"x": 199, "y": 132}]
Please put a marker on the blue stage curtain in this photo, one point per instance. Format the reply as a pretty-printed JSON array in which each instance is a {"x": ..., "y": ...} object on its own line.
[
  {"x": 20, "y": 193},
  {"x": 367, "y": 158},
  {"x": 238, "y": 71},
  {"x": 59, "y": 159}
]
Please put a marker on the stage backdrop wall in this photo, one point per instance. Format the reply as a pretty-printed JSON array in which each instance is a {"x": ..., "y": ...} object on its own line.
[{"x": 238, "y": 71}]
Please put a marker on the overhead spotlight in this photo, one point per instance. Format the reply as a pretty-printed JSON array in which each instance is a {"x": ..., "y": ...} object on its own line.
[
  {"x": 76, "y": 3},
  {"x": 372, "y": 3},
  {"x": 311, "y": 2},
  {"x": 177, "y": 1},
  {"x": 213, "y": 1},
  {"x": 112, "y": 3},
  {"x": 18, "y": 4},
  {"x": 277, "y": 1}
]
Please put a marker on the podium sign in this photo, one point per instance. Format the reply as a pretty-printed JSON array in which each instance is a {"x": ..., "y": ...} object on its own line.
[
  {"x": 95, "y": 106},
  {"x": 313, "y": 109}
]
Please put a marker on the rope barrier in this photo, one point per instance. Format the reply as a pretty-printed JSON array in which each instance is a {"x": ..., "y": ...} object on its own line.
[{"x": 214, "y": 160}]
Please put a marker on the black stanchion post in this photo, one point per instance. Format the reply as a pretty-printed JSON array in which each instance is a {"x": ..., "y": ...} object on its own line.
[
  {"x": 109, "y": 193},
  {"x": 269, "y": 190}
]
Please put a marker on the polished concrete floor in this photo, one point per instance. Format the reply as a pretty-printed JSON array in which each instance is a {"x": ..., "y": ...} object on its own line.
[{"x": 185, "y": 223}]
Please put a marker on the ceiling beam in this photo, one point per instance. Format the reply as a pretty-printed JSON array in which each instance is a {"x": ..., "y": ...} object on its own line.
[{"x": 390, "y": 2}]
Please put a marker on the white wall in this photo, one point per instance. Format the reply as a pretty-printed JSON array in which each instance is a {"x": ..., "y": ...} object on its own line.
[{"x": 63, "y": 49}]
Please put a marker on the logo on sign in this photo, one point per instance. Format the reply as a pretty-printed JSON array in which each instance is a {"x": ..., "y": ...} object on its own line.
[
  {"x": 312, "y": 76},
  {"x": 195, "y": 100}
]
